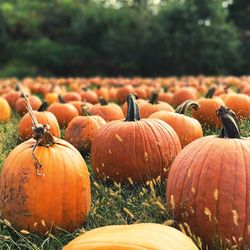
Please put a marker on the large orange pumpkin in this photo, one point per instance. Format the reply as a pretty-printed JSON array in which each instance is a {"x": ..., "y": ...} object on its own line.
[
  {"x": 137, "y": 149},
  {"x": 142, "y": 236},
  {"x": 188, "y": 129},
  {"x": 44, "y": 184},
  {"x": 209, "y": 182},
  {"x": 43, "y": 117}
]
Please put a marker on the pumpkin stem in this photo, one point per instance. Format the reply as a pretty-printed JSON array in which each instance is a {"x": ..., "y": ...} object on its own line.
[
  {"x": 61, "y": 99},
  {"x": 102, "y": 101},
  {"x": 230, "y": 127},
  {"x": 154, "y": 98},
  {"x": 133, "y": 113},
  {"x": 43, "y": 107},
  {"x": 165, "y": 88},
  {"x": 183, "y": 108},
  {"x": 210, "y": 92},
  {"x": 17, "y": 87},
  {"x": 40, "y": 133},
  {"x": 84, "y": 89},
  {"x": 84, "y": 110}
]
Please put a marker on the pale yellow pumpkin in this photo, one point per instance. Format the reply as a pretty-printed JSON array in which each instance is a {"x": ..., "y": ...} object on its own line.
[{"x": 144, "y": 236}]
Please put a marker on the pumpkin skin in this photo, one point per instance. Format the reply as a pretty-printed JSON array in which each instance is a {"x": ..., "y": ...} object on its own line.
[
  {"x": 188, "y": 129},
  {"x": 72, "y": 96},
  {"x": 51, "y": 97},
  {"x": 79, "y": 104},
  {"x": 37, "y": 204},
  {"x": 81, "y": 131},
  {"x": 208, "y": 186},
  {"x": 137, "y": 149},
  {"x": 149, "y": 236},
  {"x": 89, "y": 96},
  {"x": 64, "y": 113},
  {"x": 25, "y": 124},
  {"x": 5, "y": 112},
  {"x": 12, "y": 97},
  {"x": 240, "y": 104},
  {"x": 20, "y": 106},
  {"x": 184, "y": 94}
]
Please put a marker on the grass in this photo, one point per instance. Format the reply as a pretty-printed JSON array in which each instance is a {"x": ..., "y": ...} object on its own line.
[{"x": 111, "y": 204}]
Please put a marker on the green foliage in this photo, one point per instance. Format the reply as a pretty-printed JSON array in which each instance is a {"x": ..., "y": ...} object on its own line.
[{"x": 89, "y": 37}]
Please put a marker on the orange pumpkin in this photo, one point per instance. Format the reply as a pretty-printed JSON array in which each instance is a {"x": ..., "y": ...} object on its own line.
[
  {"x": 20, "y": 105},
  {"x": 153, "y": 106},
  {"x": 64, "y": 112},
  {"x": 72, "y": 96},
  {"x": 206, "y": 114},
  {"x": 134, "y": 149},
  {"x": 184, "y": 94},
  {"x": 208, "y": 185},
  {"x": 43, "y": 117},
  {"x": 89, "y": 96},
  {"x": 188, "y": 129},
  {"x": 82, "y": 129},
  {"x": 44, "y": 184},
  {"x": 5, "y": 111},
  {"x": 108, "y": 111}
]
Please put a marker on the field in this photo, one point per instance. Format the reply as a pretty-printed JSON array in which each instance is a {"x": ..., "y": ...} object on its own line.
[{"x": 112, "y": 203}]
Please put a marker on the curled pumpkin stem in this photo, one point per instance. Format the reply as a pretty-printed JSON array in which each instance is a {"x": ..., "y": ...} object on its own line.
[
  {"x": 133, "y": 113},
  {"x": 210, "y": 92},
  {"x": 183, "y": 108},
  {"x": 230, "y": 125}
]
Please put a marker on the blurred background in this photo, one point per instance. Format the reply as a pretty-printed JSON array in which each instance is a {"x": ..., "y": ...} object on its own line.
[{"x": 124, "y": 37}]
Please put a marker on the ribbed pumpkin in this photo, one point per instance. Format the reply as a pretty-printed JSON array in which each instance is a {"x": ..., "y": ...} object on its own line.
[
  {"x": 206, "y": 114},
  {"x": 5, "y": 111},
  {"x": 188, "y": 129},
  {"x": 209, "y": 182},
  {"x": 153, "y": 105},
  {"x": 108, "y": 111},
  {"x": 148, "y": 236},
  {"x": 137, "y": 149},
  {"x": 240, "y": 104},
  {"x": 82, "y": 129},
  {"x": 44, "y": 184},
  {"x": 64, "y": 112},
  {"x": 43, "y": 117},
  {"x": 20, "y": 105}
]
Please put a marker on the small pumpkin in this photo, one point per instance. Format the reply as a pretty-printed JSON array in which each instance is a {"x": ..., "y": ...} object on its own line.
[
  {"x": 20, "y": 105},
  {"x": 5, "y": 110},
  {"x": 208, "y": 185},
  {"x": 183, "y": 94},
  {"x": 135, "y": 149},
  {"x": 82, "y": 129},
  {"x": 149, "y": 236},
  {"x": 188, "y": 129},
  {"x": 108, "y": 111},
  {"x": 43, "y": 117},
  {"x": 64, "y": 112},
  {"x": 153, "y": 105}
]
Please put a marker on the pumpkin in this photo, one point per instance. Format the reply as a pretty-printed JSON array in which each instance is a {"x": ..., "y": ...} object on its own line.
[
  {"x": 5, "y": 111},
  {"x": 82, "y": 129},
  {"x": 166, "y": 96},
  {"x": 44, "y": 184},
  {"x": 13, "y": 96},
  {"x": 102, "y": 92},
  {"x": 20, "y": 105},
  {"x": 79, "y": 104},
  {"x": 123, "y": 92},
  {"x": 184, "y": 94},
  {"x": 153, "y": 106},
  {"x": 240, "y": 104},
  {"x": 108, "y": 111},
  {"x": 208, "y": 185},
  {"x": 206, "y": 114},
  {"x": 89, "y": 96},
  {"x": 43, "y": 117},
  {"x": 51, "y": 97},
  {"x": 188, "y": 129},
  {"x": 149, "y": 236},
  {"x": 64, "y": 112},
  {"x": 135, "y": 149},
  {"x": 72, "y": 96}
]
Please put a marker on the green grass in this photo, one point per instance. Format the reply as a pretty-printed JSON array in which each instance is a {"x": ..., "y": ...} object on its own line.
[{"x": 111, "y": 204}]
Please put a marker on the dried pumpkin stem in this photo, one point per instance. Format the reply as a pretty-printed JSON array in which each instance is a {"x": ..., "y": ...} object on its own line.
[
  {"x": 43, "y": 107},
  {"x": 210, "y": 93},
  {"x": 183, "y": 108},
  {"x": 61, "y": 99},
  {"x": 230, "y": 128},
  {"x": 102, "y": 101},
  {"x": 133, "y": 113},
  {"x": 154, "y": 98},
  {"x": 85, "y": 110}
]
